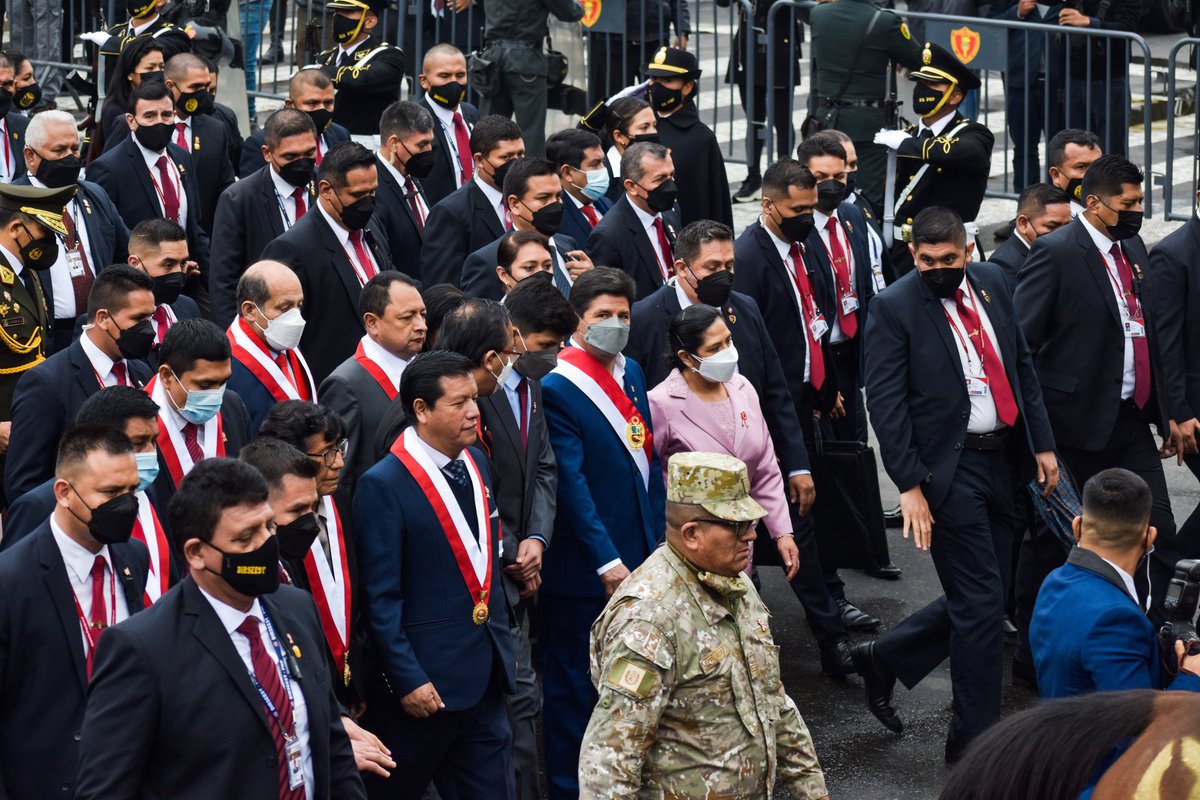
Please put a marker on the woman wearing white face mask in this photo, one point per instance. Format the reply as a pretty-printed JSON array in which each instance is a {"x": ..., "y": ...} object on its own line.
[{"x": 705, "y": 406}]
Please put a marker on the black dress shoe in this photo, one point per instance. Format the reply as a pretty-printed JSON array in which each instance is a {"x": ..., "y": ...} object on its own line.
[
  {"x": 888, "y": 572},
  {"x": 836, "y": 661},
  {"x": 892, "y": 518},
  {"x": 855, "y": 620},
  {"x": 274, "y": 55},
  {"x": 1024, "y": 674},
  {"x": 878, "y": 683},
  {"x": 954, "y": 751}
]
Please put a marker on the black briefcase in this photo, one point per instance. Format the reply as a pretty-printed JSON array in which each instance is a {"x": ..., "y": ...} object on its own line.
[{"x": 848, "y": 512}]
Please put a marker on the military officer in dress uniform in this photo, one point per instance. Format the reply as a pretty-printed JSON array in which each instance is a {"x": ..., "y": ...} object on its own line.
[
  {"x": 144, "y": 20},
  {"x": 679, "y": 634},
  {"x": 943, "y": 160},
  {"x": 366, "y": 70}
]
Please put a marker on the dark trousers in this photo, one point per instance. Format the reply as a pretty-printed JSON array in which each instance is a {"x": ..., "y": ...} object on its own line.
[
  {"x": 971, "y": 551},
  {"x": 524, "y": 707},
  {"x": 564, "y": 628},
  {"x": 1025, "y": 109},
  {"x": 1100, "y": 106},
  {"x": 811, "y": 588},
  {"x": 1189, "y": 531},
  {"x": 853, "y": 426},
  {"x": 615, "y": 62},
  {"x": 783, "y": 122},
  {"x": 834, "y": 585}
]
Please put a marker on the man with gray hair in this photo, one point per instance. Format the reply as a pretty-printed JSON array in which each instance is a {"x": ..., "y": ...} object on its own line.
[
  {"x": 638, "y": 234},
  {"x": 405, "y": 158},
  {"x": 95, "y": 236}
]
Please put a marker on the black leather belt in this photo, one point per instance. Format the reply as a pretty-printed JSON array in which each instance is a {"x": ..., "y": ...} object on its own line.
[
  {"x": 512, "y": 43},
  {"x": 861, "y": 103},
  {"x": 996, "y": 440}
]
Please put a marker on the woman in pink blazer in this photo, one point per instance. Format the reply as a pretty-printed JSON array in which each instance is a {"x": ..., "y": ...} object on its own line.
[{"x": 705, "y": 406}]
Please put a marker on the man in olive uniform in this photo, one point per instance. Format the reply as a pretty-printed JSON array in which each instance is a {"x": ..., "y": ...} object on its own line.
[
  {"x": 691, "y": 702},
  {"x": 513, "y": 39},
  {"x": 366, "y": 71},
  {"x": 853, "y": 53},
  {"x": 29, "y": 219},
  {"x": 944, "y": 160}
]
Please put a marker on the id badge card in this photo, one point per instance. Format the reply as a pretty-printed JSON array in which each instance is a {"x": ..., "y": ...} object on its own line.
[
  {"x": 977, "y": 386},
  {"x": 849, "y": 303},
  {"x": 74, "y": 263},
  {"x": 1135, "y": 329},
  {"x": 295, "y": 763},
  {"x": 818, "y": 327}
]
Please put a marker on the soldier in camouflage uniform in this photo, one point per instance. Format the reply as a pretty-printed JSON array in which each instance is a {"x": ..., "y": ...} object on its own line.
[{"x": 691, "y": 703}]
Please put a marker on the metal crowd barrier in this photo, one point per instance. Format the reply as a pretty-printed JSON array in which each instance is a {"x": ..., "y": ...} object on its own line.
[{"x": 1175, "y": 105}]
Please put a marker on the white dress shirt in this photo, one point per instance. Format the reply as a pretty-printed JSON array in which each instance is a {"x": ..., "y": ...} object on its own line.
[
  {"x": 1076, "y": 209},
  {"x": 559, "y": 261},
  {"x": 1126, "y": 578},
  {"x": 391, "y": 364},
  {"x": 79, "y": 560},
  {"x": 647, "y": 219},
  {"x": 402, "y": 180},
  {"x": 60, "y": 271},
  {"x": 101, "y": 363},
  {"x": 8, "y": 154},
  {"x": 445, "y": 118},
  {"x": 343, "y": 236},
  {"x": 495, "y": 199},
  {"x": 1104, "y": 245},
  {"x": 984, "y": 418},
  {"x": 1021, "y": 239},
  {"x": 936, "y": 128},
  {"x": 835, "y": 328},
  {"x": 284, "y": 194},
  {"x": 785, "y": 254},
  {"x": 187, "y": 132},
  {"x": 151, "y": 159},
  {"x": 231, "y": 619}
]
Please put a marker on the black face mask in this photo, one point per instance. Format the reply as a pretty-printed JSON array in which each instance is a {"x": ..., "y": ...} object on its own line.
[
  {"x": 137, "y": 9},
  {"x": 850, "y": 184},
  {"x": 1075, "y": 190},
  {"x": 715, "y": 289},
  {"x": 419, "y": 165},
  {"x": 321, "y": 117},
  {"x": 448, "y": 95},
  {"x": 797, "y": 228},
  {"x": 198, "y": 102},
  {"x": 943, "y": 281},
  {"x": 39, "y": 253},
  {"x": 537, "y": 364},
  {"x": 664, "y": 100},
  {"x": 167, "y": 289},
  {"x": 28, "y": 97},
  {"x": 662, "y": 197},
  {"x": 645, "y": 138},
  {"x": 154, "y": 137},
  {"x": 297, "y": 536},
  {"x": 299, "y": 172},
  {"x": 925, "y": 100},
  {"x": 60, "y": 172},
  {"x": 345, "y": 29},
  {"x": 157, "y": 76},
  {"x": 547, "y": 219},
  {"x": 135, "y": 341},
  {"x": 6, "y": 101},
  {"x": 1129, "y": 223},
  {"x": 499, "y": 172},
  {"x": 112, "y": 521},
  {"x": 830, "y": 195},
  {"x": 356, "y": 215},
  {"x": 254, "y": 573}
]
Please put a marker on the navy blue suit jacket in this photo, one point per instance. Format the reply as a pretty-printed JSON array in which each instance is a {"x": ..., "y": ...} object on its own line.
[
  {"x": 416, "y": 604},
  {"x": 575, "y": 224},
  {"x": 620, "y": 241},
  {"x": 479, "y": 277},
  {"x": 605, "y": 510},
  {"x": 457, "y": 226}
]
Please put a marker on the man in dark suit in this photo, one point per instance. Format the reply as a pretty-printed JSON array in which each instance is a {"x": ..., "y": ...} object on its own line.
[
  {"x": 310, "y": 91},
  {"x": 475, "y": 214},
  {"x": 12, "y": 127},
  {"x": 443, "y": 79},
  {"x": 213, "y": 648},
  {"x": 579, "y": 160},
  {"x": 405, "y": 157},
  {"x": 364, "y": 385},
  {"x": 955, "y": 402},
  {"x": 111, "y": 352},
  {"x": 64, "y": 585},
  {"x": 259, "y": 208},
  {"x": 637, "y": 235},
  {"x": 1041, "y": 209},
  {"x": 428, "y": 553},
  {"x": 1069, "y": 154},
  {"x": 334, "y": 253},
  {"x": 532, "y": 198},
  {"x": 158, "y": 247}
]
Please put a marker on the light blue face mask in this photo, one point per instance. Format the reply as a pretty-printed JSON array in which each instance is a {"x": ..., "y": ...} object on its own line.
[
  {"x": 202, "y": 404},
  {"x": 147, "y": 465},
  {"x": 597, "y": 183}
]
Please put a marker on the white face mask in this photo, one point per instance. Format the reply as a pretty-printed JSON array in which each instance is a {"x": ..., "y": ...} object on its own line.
[
  {"x": 719, "y": 367},
  {"x": 283, "y": 332},
  {"x": 505, "y": 372}
]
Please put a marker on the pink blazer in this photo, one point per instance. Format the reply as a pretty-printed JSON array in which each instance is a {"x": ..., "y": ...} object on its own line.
[{"x": 684, "y": 423}]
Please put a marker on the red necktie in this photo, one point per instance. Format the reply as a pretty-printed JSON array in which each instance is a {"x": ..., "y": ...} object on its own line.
[
  {"x": 292, "y": 374},
  {"x": 298, "y": 196},
  {"x": 192, "y": 442},
  {"x": 523, "y": 405},
  {"x": 181, "y": 135},
  {"x": 816, "y": 359},
  {"x": 320, "y": 148},
  {"x": 507, "y": 216},
  {"x": 99, "y": 616},
  {"x": 120, "y": 373},
  {"x": 414, "y": 203},
  {"x": 170, "y": 197},
  {"x": 1002, "y": 396},
  {"x": 360, "y": 252},
  {"x": 1141, "y": 348},
  {"x": 266, "y": 674},
  {"x": 80, "y": 284},
  {"x": 463, "y": 141},
  {"x": 161, "y": 322},
  {"x": 664, "y": 245},
  {"x": 592, "y": 217},
  {"x": 841, "y": 271}
]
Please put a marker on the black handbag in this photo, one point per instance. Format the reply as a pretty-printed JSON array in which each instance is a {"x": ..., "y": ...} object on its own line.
[
  {"x": 483, "y": 74},
  {"x": 848, "y": 511}
]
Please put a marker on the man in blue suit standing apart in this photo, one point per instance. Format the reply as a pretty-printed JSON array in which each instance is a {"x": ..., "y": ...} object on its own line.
[
  {"x": 611, "y": 504},
  {"x": 429, "y": 540}
]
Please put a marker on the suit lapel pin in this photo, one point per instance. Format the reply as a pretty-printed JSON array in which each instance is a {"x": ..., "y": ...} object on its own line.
[
  {"x": 295, "y": 647},
  {"x": 195, "y": 142},
  {"x": 732, "y": 317},
  {"x": 849, "y": 227},
  {"x": 745, "y": 420},
  {"x": 533, "y": 407},
  {"x": 1137, "y": 270},
  {"x": 984, "y": 294},
  {"x": 127, "y": 573},
  {"x": 87, "y": 207}
]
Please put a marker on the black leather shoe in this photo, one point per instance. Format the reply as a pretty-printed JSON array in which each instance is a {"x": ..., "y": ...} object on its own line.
[
  {"x": 1024, "y": 674},
  {"x": 878, "y": 683},
  {"x": 855, "y": 620},
  {"x": 954, "y": 751},
  {"x": 274, "y": 55},
  {"x": 888, "y": 572},
  {"x": 892, "y": 518},
  {"x": 836, "y": 661}
]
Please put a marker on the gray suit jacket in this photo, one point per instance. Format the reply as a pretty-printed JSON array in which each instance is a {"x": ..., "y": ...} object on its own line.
[{"x": 354, "y": 394}]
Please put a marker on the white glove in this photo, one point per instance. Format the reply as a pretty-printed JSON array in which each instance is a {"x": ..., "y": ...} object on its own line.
[
  {"x": 95, "y": 37},
  {"x": 891, "y": 139},
  {"x": 636, "y": 90}
]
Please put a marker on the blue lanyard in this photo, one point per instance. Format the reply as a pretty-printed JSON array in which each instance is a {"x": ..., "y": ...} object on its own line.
[{"x": 281, "y": 665}]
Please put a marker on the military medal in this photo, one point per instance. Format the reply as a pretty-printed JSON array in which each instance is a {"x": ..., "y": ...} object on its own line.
[
  {"x": 635, "y": 433},
  {"x": 480, "y": 614}
]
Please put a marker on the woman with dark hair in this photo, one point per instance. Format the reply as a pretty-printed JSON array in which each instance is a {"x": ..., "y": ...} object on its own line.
[
  {"x": 629, "y": 120},
  {"x": 521, "y": 255},
  {"x": 140, "y": 60},
  {"x": 704, "y": 405},
  {"x": 440, "y": 299}
]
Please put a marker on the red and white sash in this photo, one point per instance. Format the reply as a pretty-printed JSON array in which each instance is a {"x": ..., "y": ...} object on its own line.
[
  {"x": 474, "y": 561},
  {"x": 332, "y": 595},
  {"x": 253, "y": 355},
  {"x": 376, "y": 371},
  {"x": 170, "y": 438},
  {"x": 588, "y": 376},
  {"x": 149, "y": 531}
]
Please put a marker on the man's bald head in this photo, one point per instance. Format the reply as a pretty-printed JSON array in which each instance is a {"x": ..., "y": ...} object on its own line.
[
  {"x": 268, "y": 289},
  {"x": 438, "y": 53},
  {"x": 178, "y": 67},
  {"x": 309, "y": 77}
]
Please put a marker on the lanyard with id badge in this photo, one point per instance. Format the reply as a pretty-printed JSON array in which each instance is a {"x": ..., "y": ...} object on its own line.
[
  {"x": 976, "y": 379},
  {"x": 1133, "y": 324},
  {"x": 287, "y": 666}
]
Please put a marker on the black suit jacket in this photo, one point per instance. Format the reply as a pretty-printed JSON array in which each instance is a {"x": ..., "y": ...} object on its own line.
[
  {"x": 251, "y": 159},
  {"x": 331, "y": 288},
  {"x": 45, "y": 403},
  {"x": 43, "y": 670},
  {"x": 620, "y": 241},
  {"x": 915, "y": 389},
  {"x": 361, "y": 402},
  {"x": 758, "y": 362},
  {"x": 395, "y": 217},
  {"x": 479, "y": 272},
  {"x": 854, "y": 228},
  {"x": 457, "y": 226},
  {"x": 16, "y": 124},
  {"x": 175, "y": 676},
  {"x": 1175, "y": 264},
  {"x": 440, "y": 183},
  {"x": 575, "y": 224},
  {"x": 1010, "y": 256},
  {"x": 1068, "y": 313}
]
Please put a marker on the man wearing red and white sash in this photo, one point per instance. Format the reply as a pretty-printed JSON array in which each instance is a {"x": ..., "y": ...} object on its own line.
[
  {"x": 364, "y": 385},
  {"x": 611, "y": 500},
  {"x": 267, "y": 365},
  {"x": 429, "y": 551}
]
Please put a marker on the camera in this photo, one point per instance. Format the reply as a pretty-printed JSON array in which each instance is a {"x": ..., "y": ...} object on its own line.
[{"x": 1180, "y": 608}]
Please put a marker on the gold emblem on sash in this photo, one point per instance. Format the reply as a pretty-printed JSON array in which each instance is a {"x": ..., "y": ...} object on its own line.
[
  {"x": 480, "y": 615},
  {"x": 635, "y": 433}
]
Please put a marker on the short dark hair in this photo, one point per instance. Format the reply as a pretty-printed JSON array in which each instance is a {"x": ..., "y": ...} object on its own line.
[
  {"x": 212, "y": 486},
  {"x": 621, "y": 112},
  {"x": 686, "y": 332},
  {"x": 293, "y": 421},
  {"x": 516, "y": 181},
  {"x": 1116, "y": 506},
  {"x": 150, "y": 91},
  {"x": 192, "y": 340},
  {"x": 112, "y": 288},
  {"x": 154, "y": 231},
  {"x": 376, "y": 293},
  {"x": 1056, "y": 148},
  {"x": 114, "y": 406},
  {"x": 275, "y": 459},
  {"x": 511, "y": 243},
  {"x": 287, "y": 122},
  {"x": 780, "y": 177},
  {"x": 822, "y": 143},
  {"x": 440, "y": 299},
  {"x": 474, "y": 329},
  {"x": 566, "y": 147},
  {"x": 403, "y": 118},
  {"x": 81, "y": 440},
  {"x": 1036, "y": 196},
  {"x": 601, "y": 281},
  {"x": 696, "y": 234},
  {"x": 490, "y": 131},
  {"x": 936, "y": 225},
  {"x": 631, "y": 159},
  {"x": 340, "y": 160},
  {"x": 1108, "y": 176},
  {"x": 422, "y": 378},
  {"x": 539, "y": 307}
]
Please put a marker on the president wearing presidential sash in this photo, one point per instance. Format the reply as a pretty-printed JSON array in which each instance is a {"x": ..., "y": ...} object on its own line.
[
  {"x": 428, "y": 541},
  {"x": 611, "y": 501}
]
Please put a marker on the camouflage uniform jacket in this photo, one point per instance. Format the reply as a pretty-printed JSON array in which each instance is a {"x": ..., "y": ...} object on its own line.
[{"x": 691, "y": 703}]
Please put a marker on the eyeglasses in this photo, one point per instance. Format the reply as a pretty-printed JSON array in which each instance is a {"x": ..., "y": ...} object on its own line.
[
  {"x": 740, "y": 529},
  {"x": 330, "y": 456}
]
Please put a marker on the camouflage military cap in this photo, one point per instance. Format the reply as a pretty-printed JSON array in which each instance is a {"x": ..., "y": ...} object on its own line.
[{"x": 716, "y": 482}]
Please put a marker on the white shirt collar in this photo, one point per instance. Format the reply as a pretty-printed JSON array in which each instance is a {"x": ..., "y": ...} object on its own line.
[
  {"x": 339, "y": 230},
  {"x": 1125, "y": 577},
  {"x": 77, "y": 558},
  {"x": 645, "y": 216},
  {"x": 821, "y": 219},
  {"x": 99, "y": 360},
  {"x": 1021, "y": 239},
  {"x": 618, "y": 366},
  {"x": 17, "y": 265},
  {"x": 349, "y": 51},
  {"x": 614, "y": 161},
  {"x": 784, "y": 247},
  {"x": 443, "y": 114},
  {"x": 578, "y": 203},
  {"x": 494, "y": 196},
  {"x": 1076, "y": 209},
  {"x": 231, "y": 618},
  {"x": 284, "y": 188},
  {"x": 392, "y": 364},
  {"x": 680, "y": 295},
  {"x": 938, "y": 126},
  {"x": 150, "y": 156},
  {"x": 400, "y": 178},
  {"x": 137, "y": 30},
  {"x": 439, "y": 459},
  {"x": 1103, "y": 243}
]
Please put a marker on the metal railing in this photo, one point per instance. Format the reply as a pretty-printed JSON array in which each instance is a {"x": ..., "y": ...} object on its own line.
[{"x": 1174, "y": 106}]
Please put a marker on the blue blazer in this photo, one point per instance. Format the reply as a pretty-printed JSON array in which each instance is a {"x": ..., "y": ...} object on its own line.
[
  {"x": 1088, "y": 634},
  {"x": 575, "y": 224},
  {"x": 605, "y": 511},
  {"x": 258, "y": 400},
  {"x": 416, "y": 606}
]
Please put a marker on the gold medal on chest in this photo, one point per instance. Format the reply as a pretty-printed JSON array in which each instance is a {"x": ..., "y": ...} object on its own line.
[
  {"x": 635, "y": 433},
  {"x": 480, "y": 614}
]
